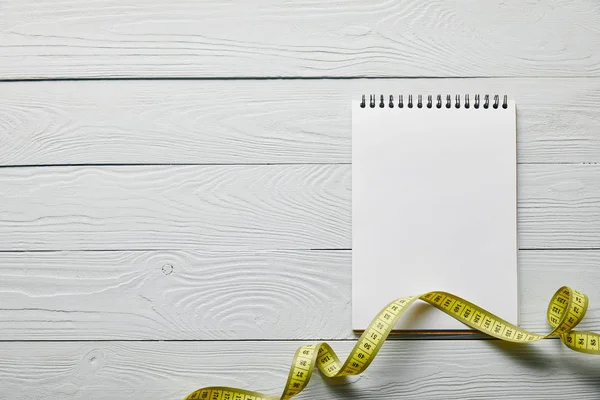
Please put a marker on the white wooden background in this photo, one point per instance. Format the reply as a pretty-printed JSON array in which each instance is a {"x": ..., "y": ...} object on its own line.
[{"x": 175, "y": 189}]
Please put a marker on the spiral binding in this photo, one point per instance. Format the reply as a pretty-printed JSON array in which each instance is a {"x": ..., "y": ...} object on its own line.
[{"x": 430, "y": 104}]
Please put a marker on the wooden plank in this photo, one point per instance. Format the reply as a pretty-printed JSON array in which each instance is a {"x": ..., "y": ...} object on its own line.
[
  {"x": 255, "y": 207},
  {"x": 174, "y": 295},
  {"x": 195, "y": 295},
  {"x": 247, "y": 207},
  {"x": 290, "y": 121},
  {"x": 404, "y": 369},
  {"x": 562, "y": 199},
  {"x": 207, "y": 207},
  {"x": 128, "y": 38}
]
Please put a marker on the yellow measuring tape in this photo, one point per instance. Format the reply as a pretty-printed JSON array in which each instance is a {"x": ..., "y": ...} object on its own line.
[{"x": 567, "y": 308}]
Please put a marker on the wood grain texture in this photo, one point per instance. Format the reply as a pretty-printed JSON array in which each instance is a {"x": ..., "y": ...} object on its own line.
[
  {"x": 208, "y": 207},
  {"x": 194, "y": 295},
  {"x": 174, "y": 295},
  {"x": 249, "y": 122},
  {"x": 247, "y": 207},
  {"x": 565, "y": 198},
  {"x": 223, "y": 250},
  {"x": 109, "y": 38},
  {"x": 448, "y": 370}
]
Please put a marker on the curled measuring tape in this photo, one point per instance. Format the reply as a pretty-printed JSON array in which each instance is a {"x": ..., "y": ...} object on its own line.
[{"x": 567, "y": 308}]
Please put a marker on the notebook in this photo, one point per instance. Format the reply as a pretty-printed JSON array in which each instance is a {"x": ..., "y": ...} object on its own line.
[{"x": 434, "y": 205}]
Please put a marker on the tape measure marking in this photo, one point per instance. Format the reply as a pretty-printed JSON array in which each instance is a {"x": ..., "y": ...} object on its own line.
[{"x": 566, "y": 309}]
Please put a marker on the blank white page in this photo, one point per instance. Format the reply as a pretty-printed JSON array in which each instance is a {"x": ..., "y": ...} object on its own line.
[{"x": 434, "y": 207}]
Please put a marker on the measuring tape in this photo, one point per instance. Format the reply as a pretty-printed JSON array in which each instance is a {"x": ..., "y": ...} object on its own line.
[{"x": 567, "y": 308}]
